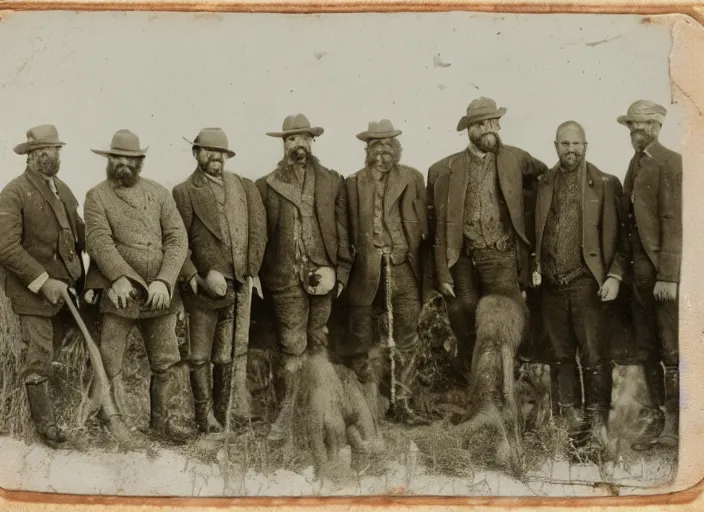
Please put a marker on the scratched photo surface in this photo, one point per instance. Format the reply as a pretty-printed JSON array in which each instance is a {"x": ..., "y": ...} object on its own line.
[{"x": 338, "y": 254}]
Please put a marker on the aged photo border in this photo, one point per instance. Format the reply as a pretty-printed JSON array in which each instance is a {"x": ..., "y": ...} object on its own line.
[{"x": 687, "y": 83}]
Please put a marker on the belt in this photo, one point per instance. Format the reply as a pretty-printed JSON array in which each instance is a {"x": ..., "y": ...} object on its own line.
[
  {"x": 505, "y": 244},
  {"x": 567, "y": 278}
]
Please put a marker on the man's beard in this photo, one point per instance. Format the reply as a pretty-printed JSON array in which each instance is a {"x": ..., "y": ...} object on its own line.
[
  {"x": 213, "y": 170},
  {"x": 49, "y": 168},
  {"x": 298, "y": 156},
  {"x": 640, "y": 139},
  {"x": 381, "y": 167},
  {"x": 571, "y": 161},
  {"x": 487, "y": 142},
  {"x": 123, "y": 175}
]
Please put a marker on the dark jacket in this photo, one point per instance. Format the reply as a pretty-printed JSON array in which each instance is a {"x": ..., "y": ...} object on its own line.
[
  {"x": 604, "y": 243},
  {"x": 657, "y": 206},
  {"x": 404, "y": 191},
  {"x": 196, "y": 204},
  {"x": 448, "y": 185},
  {"x": 33, "y": 241},
  {"x": 331, "y": 210}
]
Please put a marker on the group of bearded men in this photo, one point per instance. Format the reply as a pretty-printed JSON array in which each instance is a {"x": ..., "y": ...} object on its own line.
[{"x": 303, "y": 235}]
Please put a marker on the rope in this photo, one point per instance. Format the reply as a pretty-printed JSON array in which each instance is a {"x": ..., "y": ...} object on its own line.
[{"x": 390, "y": 317}]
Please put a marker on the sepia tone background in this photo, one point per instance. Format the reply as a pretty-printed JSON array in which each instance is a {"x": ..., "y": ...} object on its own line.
[{"x": 682, "y": 77}]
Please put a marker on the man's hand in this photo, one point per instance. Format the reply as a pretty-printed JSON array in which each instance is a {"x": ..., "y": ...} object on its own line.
[
  {"x": 52, "y": 290},
  {"x": 447, "y": 290},
  {"x": 609, "y": 290},
  {"x": 256, "y": 284},
  {"x": 194, "y": 284},
  {"x": 665, "y": 291},
  {"x": 122, "y": 291},
  {"x": 158, "y": 296},
  {"x": 215, "y": 283}
]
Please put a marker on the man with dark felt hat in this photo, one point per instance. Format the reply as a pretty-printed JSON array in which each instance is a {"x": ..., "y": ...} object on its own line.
[
  {"x": 479, "y": 218},
  {"x": 388, "y": 224},
  {"x": 226, "y": 224},
  {"x": 307, "y": 259},
  {"x": 137, "y": 243},
  {"x": 41, "y": 245},
  {"x": 652, "y": 196}
]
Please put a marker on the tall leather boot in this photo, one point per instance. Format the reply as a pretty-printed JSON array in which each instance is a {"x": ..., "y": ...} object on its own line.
[
  {"x": 289, "y": 367},
  {"x": 564, "y": 380},
  {"x": 655, "y": 418},
  {"x": 42, "y": 410},
  {"x": 222, "y": 381},
  {"x": 670, "y": 434},
  {"x": 597, "y": 387},
  {"x": 203, "y": 400},
  {"x": 172, "y": 412}
]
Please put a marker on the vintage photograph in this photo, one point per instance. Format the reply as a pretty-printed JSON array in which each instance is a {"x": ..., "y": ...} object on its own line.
[{"x": 339, "y": 254}]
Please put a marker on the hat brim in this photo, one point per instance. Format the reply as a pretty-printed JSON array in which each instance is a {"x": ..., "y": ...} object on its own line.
[
  {"x": 466, "y": 121},
  {"x": 315, "y": 132},
  {"x": 227, "y": 151},
  {"x": 26, "y": 147},
  {"x": 365, "y": 136},
  {"x": 625, "y": 120},
  {"x": 121, "y": 152}
]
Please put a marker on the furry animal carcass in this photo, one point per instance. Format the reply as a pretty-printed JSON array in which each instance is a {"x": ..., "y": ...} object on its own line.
[
  {"x": 334, "y": 412},
  {"x": 491, "y": 429}
]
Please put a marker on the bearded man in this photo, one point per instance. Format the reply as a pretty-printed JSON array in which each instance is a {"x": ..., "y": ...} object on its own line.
[
  {"x": 653, "y": 200},
  {"x": 479, "y": 217},
  {"x": 307, "y": 259},
  {"x": 41, "y": 244},
  {"x": 581, "y": 252},
  {"x": 137, "y": 243},
  {"x": 388, "y": 222},
  {"x": 226, "y": 223}
]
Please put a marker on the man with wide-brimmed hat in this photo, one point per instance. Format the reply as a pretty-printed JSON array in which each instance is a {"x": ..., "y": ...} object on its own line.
[
  {"x": 388, "y": 224},
  {"x": 137, "y": 243},
  {"x": 41, "y": 244},
  {"x": 652, "y": 196},
  {"x": 226, "y": 224},
  {"x": 480, "y": 220},
  {"x": 307, "y": 259}
]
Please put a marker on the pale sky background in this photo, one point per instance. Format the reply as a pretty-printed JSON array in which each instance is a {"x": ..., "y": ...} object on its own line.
[{"x": 167, "y": 75}]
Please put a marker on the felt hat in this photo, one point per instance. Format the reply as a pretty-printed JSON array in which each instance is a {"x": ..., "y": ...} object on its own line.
[
  {"x": 124, "y": 143},
  {"x": 379, "y": 130},
  {"x": 480, "y": 109},
  {"x": 296, "y": 124},
  {"x": 212, "y": 138},
  {"x": 643, "y": 110},
  {"x": 42, "y": 136}
]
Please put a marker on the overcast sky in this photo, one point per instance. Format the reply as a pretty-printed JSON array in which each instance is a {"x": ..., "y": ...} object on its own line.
[{"x": 165, "y": 76}]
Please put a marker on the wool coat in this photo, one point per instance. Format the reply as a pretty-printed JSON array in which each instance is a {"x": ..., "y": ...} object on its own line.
[
  {"x": 405, "y": 193},
  {"x": 332, "y": 215},
  {"x": 143, "y": 240},
  {"x": 603, "y": 234},
  {"x": 447, "y": 184},
  {"x": 35, "y": 239},
  {"x": 656, "y": 194},
  {"x": 196, "y": 203}
]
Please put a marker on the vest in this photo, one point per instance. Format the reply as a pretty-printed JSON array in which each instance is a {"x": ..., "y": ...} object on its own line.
[
  {"x": 234, "y": 223},
  {"x": 388, "y": 229}
]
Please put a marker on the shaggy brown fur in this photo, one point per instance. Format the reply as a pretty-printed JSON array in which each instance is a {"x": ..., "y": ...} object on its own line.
[
  {"x": 491, "y": 424},
  {"x": 333, "y": 412}
]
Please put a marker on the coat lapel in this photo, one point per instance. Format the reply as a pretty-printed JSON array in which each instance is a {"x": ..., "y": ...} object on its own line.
[
  {"x": 545, "y": 194},
  {"x": 365, "y": 206},
  {"x": 395, "y": 185},
  {"x": 203, "y": 201},
  {"x": 592, "y": 196},
  {"x": 324, "y": 199},
  {"x": 285, "y": 188},
  {"x": 458, "y": 181},
  {"x": 69, "y": 204},
  {"x": 43, "y": 188},
  {"x": 511, "y": 184}
]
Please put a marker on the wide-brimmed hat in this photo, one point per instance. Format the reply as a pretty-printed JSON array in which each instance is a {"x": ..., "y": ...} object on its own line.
[
  {"x": 296, "y": 124},
  {"x": 124, "y": 143},
  {"x": 42, "y": 136},
  {"x": 212, "y": 138},
  {"x": 381, "y": 130},
  {"x": 480, "y": 110},
  {"x": 643, "y": 110}
]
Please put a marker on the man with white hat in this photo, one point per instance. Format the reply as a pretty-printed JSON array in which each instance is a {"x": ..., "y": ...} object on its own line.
[
  {"x": 226, "y": 224},
  {"x": 652, "y": 194},
  {"x": 480, "y": 222},
  {"x": 137, "y": 243},
  {"x": 41, "y": 244},
  {"x": 388, "y": 223},
  {"x": 307, "y": 259}
]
